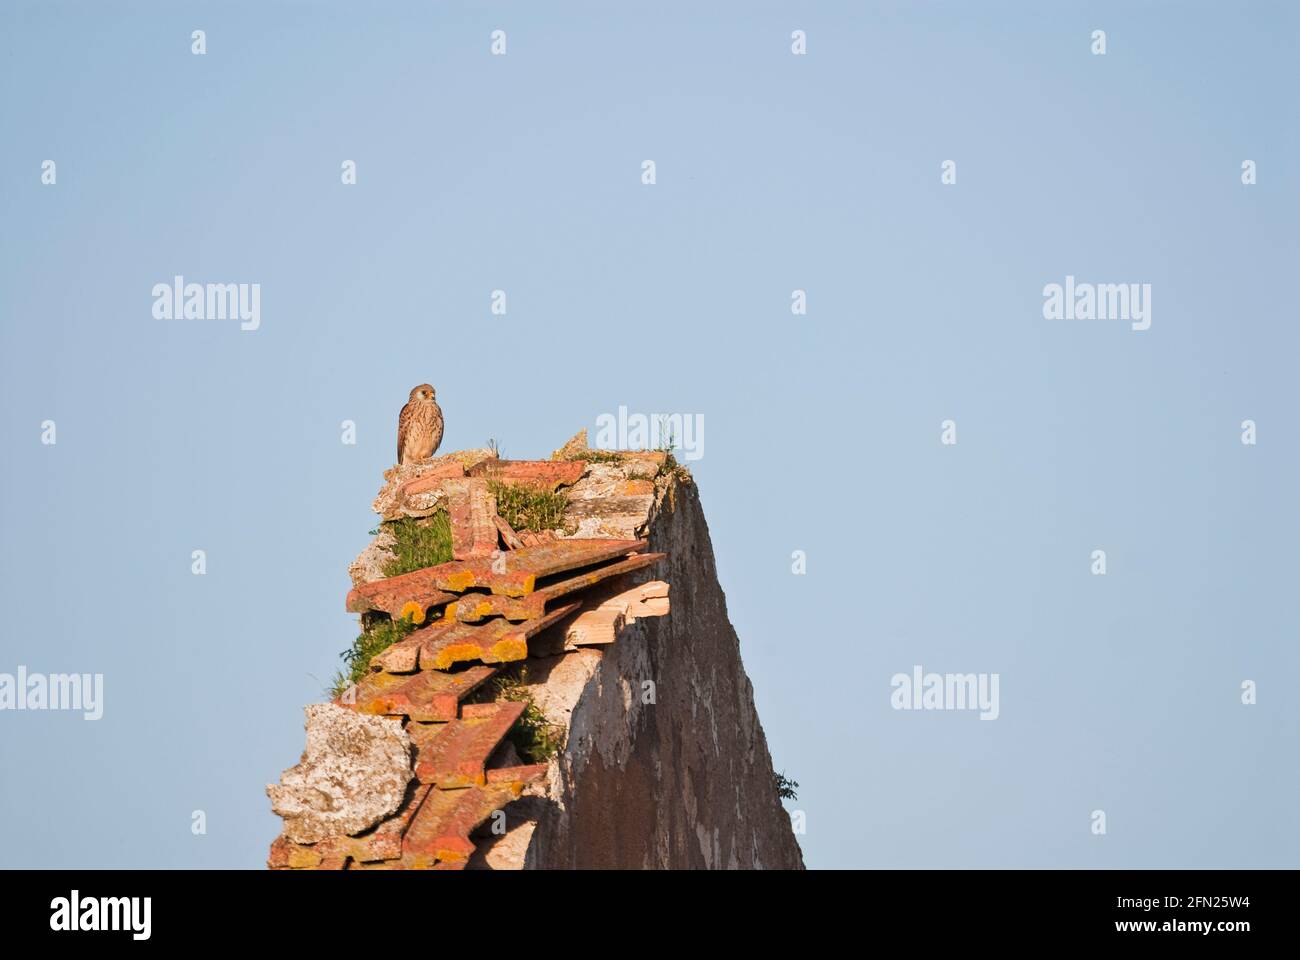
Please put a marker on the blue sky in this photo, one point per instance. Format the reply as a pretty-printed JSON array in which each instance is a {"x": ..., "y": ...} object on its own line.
[{"x": 775, "y": 172}]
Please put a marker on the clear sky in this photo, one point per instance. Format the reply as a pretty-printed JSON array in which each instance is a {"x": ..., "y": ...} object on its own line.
[{"x": 774, "y": 173}]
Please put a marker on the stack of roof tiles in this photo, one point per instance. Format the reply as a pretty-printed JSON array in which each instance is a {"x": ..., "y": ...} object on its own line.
[{"x": 486, "y": 608}]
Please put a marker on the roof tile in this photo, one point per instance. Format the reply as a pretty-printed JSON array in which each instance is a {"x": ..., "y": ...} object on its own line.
[
  {"x": 496, "y": 641},
  {"x": 521, "y": 775},
  {"x": 542, "y": 474},
  {"x": 431, "y": 695},
  {"x": 440, "y": 832},
  {"x": 455, "y": 754},
  {"x": 409, "y": 593},
  {"x": 472, "y": 510},
  {"x": 471, "y": 608},
  {"x": 515, "y": 572}
]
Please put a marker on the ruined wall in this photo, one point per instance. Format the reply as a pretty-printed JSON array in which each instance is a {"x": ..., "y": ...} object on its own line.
[
  {"x": 685, "y": 782},
  {"x": 664, "y": 763}
]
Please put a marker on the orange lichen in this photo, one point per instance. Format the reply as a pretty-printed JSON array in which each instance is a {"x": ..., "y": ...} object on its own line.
[
  {"x": 302, "y": 858},
  {"x": 455, "y": 653},
  {"x": 414, "y": 611}
]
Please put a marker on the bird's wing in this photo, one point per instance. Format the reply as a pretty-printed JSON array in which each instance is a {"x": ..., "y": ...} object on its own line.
[
  {"x": 437, "y": 429},
  {"x": 403, "y": 427}
]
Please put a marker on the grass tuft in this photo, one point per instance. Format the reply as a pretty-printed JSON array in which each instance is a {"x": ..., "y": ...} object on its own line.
[
  {"x": 528, "y": 508},
  {"x": 596, "y": 456},
  {"x": 671, "y": 467},
  {"x": 375, "y": 638},
  {"x": 418, "y": 543}
]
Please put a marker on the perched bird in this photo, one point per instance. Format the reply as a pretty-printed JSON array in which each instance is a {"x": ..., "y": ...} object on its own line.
[{"x": 419, "y": 426}]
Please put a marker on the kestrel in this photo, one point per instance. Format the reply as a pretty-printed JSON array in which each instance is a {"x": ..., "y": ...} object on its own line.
[{"x": 419, "y": 426}]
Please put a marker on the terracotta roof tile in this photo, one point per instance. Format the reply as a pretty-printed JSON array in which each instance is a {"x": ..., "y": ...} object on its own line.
[
  {"x": 471, "y": 608},
  {"x": 542, "y": 474},
  {"x": 521, "y": 775},
  {"x": 496, "y": 641},
  {"x": 430, "y": 695},
  {"x": 440, "y": 832},
  {"x": 515, "y": 572},
  {"x": 429, "y": 480},
  {"x": 402, "y": 657},
  {"x": 455, "y": 754},
  {"x": 472, "y": 510},
  {"x": 410, "y": 593},
  {"x": 508, "y": 535}
]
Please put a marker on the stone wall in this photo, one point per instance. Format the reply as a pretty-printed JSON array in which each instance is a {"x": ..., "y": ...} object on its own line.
[{"x": 683, "y": 782}]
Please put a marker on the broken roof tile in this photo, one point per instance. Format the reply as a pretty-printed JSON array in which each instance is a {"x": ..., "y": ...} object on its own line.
[
  {"x": 431, "y": 695},
  {"x": 507, "y": 532},
  {"x": 409, "y": 594},
  {"x": 430, "y": 480},
  {"x": 287, "y": 855},
  {"x": 440, "y": 832},
  {"x": 531, "y": 538},
  {"x": 455, "y": 754},
  {"x": 471, "y": 508},
  {"x": 515, "y": 572},
  {"x": 542, "y": 474},
  {"x": 402, "y": 656},
  {"x": 472, "y": 608},
  {"x": 521, "y": 775},
  {"x": 412, "y": 489},
  {"x": 497, "y": 641}
]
